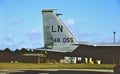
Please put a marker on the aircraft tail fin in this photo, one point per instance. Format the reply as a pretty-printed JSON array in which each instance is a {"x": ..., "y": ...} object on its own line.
[{"x": 55, "y": 31}]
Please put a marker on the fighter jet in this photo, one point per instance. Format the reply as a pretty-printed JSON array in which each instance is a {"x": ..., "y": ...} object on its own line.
[{"x": 58, "y": 38}]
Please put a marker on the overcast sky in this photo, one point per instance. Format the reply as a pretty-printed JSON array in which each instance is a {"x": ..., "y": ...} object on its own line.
[{"x": 89, "y": 20}]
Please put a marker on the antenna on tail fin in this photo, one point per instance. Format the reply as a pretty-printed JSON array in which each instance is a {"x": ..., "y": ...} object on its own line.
[{"x": 48, "y": 10}]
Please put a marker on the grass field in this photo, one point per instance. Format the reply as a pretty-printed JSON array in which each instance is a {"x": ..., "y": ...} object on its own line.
[{"x": 54, "y": 66}]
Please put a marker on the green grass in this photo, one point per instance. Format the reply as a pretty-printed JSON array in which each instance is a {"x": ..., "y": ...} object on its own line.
[{"x": 54, "y": 66}]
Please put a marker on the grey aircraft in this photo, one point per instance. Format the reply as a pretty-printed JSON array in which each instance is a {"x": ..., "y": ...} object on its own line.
[
  {"x": 56, "y": 35},
  {"x": 58, "y": 38}
]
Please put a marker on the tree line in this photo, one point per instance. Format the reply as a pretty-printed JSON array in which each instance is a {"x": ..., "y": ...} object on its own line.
[{"x": 16, "y": 50}]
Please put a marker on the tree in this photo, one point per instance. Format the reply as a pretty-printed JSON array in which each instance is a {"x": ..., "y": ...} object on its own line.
[
  {"x": 17, "y": 50},
  {"x": 30, "y": 50},
  {"x": 7, "y": 50},
  {"x": 23, "y": 50}
]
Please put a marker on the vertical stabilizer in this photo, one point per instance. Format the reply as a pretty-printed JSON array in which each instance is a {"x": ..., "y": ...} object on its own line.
[{"x": 56, "y": 34}]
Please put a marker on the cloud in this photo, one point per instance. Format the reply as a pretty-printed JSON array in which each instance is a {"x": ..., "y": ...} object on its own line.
[
  {"x": 35, "y": 34},
  {"x": 32, "y": 39},
  {"x": 90, "y": 37},
  {"x": 36, "y": 38},
  {"x": 8, "y": 41},
  {"x": 8, "y": 38},
  {"x": 90, "y": 34},
  {"x": 70, "y": 22},
  {"x": 96, "y": 37},
  {"x": 18, "y": 21},
  {"x": 10, "y": 45}
]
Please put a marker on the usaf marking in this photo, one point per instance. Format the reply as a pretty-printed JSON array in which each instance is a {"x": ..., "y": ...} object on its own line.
[{"x": 59, "y": 28}]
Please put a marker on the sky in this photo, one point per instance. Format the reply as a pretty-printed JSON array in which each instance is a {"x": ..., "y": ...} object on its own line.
[{"x": 21, "y": 24}]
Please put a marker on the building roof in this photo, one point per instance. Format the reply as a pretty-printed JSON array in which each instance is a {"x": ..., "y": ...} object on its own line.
[{"x": 100, "y": 44}]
